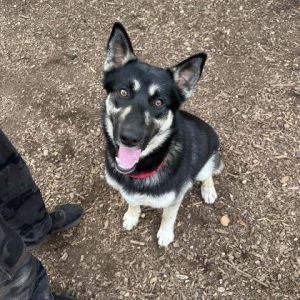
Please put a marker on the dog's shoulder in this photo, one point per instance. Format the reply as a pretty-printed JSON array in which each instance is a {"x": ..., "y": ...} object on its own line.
[{"x": 196, "y": 128}]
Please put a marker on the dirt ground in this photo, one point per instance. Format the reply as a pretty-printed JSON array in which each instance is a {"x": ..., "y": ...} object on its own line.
[{"x": 51, "y": 56}]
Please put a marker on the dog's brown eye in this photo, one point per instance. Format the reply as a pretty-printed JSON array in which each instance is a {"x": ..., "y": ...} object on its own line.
[
  {"x": 123, "y": 93},
  {"x": 158, "y": 103}
]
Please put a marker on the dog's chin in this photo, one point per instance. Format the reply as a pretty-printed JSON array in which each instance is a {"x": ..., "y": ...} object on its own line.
[{"x": 124, "y": 171}]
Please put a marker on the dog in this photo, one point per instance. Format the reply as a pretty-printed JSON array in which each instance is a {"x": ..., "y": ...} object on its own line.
[{"x": 154, "y": 151}]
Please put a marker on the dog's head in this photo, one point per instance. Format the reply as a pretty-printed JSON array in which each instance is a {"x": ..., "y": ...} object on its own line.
[{"x": 142, "y": 99}]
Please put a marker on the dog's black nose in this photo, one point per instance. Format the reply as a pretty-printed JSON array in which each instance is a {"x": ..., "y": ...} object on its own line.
[{"x": 131, "y": 137}]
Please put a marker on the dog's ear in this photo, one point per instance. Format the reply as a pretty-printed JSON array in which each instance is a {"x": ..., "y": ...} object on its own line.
[
  {"x": 119, "y": 48},
  {"x": 187, "y": 73}
]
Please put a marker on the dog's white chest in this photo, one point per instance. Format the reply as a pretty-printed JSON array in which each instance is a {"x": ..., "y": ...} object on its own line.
[{"x": 160, "y": 201}]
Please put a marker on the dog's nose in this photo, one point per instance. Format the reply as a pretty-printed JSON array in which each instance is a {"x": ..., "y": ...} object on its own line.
[{"x": 131, "y": 137}]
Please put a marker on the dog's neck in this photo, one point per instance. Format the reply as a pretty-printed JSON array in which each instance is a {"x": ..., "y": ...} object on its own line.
[{"x": 154, "y": 160}]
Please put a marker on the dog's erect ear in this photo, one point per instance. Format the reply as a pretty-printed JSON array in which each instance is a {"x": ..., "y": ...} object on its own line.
[
  {"x": 119, "y": 49},
  {"x": 187, "y": 73}
]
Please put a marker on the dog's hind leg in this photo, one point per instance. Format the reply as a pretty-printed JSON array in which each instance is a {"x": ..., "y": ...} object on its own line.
[
  {"x": 131, "y": 217},
  {"x": 218, "y": 163},
  {"x": 212, "y": 167},
  {"x": 208, "y": 191}
]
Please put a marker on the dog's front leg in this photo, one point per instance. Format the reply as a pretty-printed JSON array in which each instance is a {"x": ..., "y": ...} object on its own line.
[
  {"x": 131, "y": 217},
  {"x": 165, "y": 233}
]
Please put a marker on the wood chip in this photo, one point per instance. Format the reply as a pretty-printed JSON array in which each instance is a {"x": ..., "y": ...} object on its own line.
[
  {"x": 182, "y": 277},
  {"x": 153, "y": 280},
  {"x": 284, "y": 179},
  {"x": 176, "y": 244},
  {"x": 64, "y": 257}
]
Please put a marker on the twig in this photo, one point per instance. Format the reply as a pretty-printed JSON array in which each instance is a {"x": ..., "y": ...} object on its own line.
[
  {"x": 79, "y": 196},
  {"x": 259, "y": 46},
  {"x": 93, "y": 70},
  {"x": 137, "y": 243},
  {"x": 232, "y": 175},
  {"x": 24, "y": 17},
  {"x": 280, "y": 157},
  {"x": 283, "y": 85},
  {"x": 89, "y": 209},
  {"x": 244, "y": 273}
]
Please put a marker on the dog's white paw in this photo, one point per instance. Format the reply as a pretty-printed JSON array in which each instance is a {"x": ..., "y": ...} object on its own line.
[
  {"x": 209, "y": 194},
  {"x": 130, "y": 221},
  {"x": 165, "y": 237}
]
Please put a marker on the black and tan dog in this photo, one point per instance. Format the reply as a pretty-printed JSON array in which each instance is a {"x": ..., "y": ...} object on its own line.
[{"x": 155, "y": 151}]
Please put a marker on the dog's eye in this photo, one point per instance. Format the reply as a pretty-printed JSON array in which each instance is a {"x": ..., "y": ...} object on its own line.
[
  {"x": 158, "y": 103},
  {"x": 123, "y": 93}
]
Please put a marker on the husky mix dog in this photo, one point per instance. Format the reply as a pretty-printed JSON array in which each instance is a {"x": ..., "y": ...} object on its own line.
[{"x": 154, "y": 150}]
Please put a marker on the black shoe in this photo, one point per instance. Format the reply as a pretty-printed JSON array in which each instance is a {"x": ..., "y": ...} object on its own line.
[
  {"x": 57, "y": 297},
  {"x": 63, "y": 217}
]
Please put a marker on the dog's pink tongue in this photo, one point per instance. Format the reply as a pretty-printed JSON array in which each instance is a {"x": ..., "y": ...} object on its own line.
[{"x": 128, "y": 157}]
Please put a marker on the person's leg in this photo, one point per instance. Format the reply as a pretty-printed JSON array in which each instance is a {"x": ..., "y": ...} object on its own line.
[
  {"x": 21, "y": 203},
  {"x": 22, "y": 276}
]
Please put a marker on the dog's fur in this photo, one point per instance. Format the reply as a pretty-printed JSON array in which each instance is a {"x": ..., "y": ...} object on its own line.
[{"x": 185, "y": 146}]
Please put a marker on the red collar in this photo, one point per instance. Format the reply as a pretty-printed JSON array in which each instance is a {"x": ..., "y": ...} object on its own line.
[{"x": 146, "y": 174}]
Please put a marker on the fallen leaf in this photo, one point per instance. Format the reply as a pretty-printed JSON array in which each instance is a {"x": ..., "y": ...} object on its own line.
[{"x": 225, "y": 220}]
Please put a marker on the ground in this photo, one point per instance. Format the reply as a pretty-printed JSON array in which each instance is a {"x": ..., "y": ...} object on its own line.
[{"x": 51, "y": 56}]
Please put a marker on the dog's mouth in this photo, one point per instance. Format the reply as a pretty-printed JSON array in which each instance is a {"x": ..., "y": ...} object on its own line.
[{"x": 127, "y": 158}]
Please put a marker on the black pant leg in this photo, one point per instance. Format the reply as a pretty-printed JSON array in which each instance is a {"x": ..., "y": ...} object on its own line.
[
  {"x": 21, "y": 203},
  {"x": 22, "y": 276}
]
